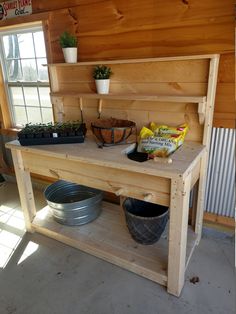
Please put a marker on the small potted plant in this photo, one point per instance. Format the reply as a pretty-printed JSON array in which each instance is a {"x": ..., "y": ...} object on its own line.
[
  {"x": 101, "y": 74},
  {"x": 68, "y": 44}
]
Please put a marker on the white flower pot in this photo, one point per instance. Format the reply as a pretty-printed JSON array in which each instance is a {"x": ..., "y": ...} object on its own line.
[
  {"x": 102, "y": 86},
  {"x": 70, "y": 54}
]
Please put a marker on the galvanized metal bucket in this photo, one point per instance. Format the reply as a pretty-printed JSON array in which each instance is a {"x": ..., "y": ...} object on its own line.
[{"x": 72, "y": 204}]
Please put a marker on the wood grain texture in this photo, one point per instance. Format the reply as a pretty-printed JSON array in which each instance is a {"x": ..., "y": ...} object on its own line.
[
  {"x": 128, "y": 29},
  {"x": 143, "y": 90},
  {"x": 5, "y": 121},
  {"x": 225, "y": 106}
]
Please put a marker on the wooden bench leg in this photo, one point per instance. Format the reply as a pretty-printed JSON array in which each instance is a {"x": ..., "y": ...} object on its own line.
[
  {"x": 25, "y": 189},
  {"x": 178, "y": 228},
  {"x": 193, "y": 212},
  {"x": 201, "y": 198}
]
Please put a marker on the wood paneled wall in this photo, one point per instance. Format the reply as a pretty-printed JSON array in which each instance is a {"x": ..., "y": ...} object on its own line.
[{"x": 121, "y": 29}]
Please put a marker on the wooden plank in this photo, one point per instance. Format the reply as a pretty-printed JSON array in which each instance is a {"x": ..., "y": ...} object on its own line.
[
  {"x": 108, "y": 238},
  {"x": 225, "y": 94},
  {"x": 226, "y": 68},
  {"x": 139, "y": 60},
  {"x": 219, "y": 220},
  {"x": 194, "y": 204},
  {"x": 102, "y": 177},
  {"x": 5, "y": 112},
  {"x": 25, "y": 188},
  {"x": 206, "y": 9},
  {"x": 224, "y": 120},
  {"x": 58, "y": 108},
  {"x": 201, "y": 197},
  {"x": 212, "y": 82},
  {"x": 167, "y": 88},
  {"x": 179, "y": 207},
  {"x": 23, "y": 21},
  {"x": 113, "y": 157},
  {"x": 195, "y": 174},
  {"x": 149, "y": 70},
  {"x": 224, "y": 113},
  {"x": 166, "y": 98},
  {"x": 211, "y": 91}
]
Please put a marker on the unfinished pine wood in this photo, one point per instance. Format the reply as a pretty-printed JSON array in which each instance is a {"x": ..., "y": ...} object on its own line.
[
  {"x": 58, "y": 108},
  {"x": 212, "y": 82},
  {"x": 201, "y": 197},
  {"x": 179, "y": 206},
  {"x": 113, "y": 157},
  {"x": 109, "y": 169},
  {"x": 211, "y": 92},
  {"x": 108, "y": 238},
  {"x": 134, "y": 82},
  {"x": 165, "y": 98},
  {"x": 25, "y": 189}
]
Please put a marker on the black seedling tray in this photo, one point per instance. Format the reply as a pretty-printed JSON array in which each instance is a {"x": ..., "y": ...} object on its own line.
[{"x": 52, "y": 140}]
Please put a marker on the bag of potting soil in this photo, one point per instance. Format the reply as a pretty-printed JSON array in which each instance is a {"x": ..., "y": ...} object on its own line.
[{"x": 161, "y": 141}]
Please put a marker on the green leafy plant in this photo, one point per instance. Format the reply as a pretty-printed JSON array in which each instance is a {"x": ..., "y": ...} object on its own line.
[
  {"x": 41, "y": 128},
  {"x": 67, "y": 40},
  {"x": 102, "y": 72}
]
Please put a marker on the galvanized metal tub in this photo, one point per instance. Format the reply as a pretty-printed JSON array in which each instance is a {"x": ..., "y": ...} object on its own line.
[{"x": 72, "y": 204}]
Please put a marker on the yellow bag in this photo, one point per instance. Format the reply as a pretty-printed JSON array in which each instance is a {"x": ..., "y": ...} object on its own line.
[{"x": 161, "y": 141}]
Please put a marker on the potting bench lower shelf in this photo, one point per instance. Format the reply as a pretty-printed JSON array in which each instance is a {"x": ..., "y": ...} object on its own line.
[
  {"x": 110, "y": 170},
  {"x": 108, "y": 238}
]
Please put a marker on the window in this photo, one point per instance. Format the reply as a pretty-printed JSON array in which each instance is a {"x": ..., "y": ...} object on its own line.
[{"x": 23, "y": 55}]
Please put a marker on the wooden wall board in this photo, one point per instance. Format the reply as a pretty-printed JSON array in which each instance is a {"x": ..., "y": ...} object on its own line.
[
  {"x": 145, "y": 34},
  {"x": 191, "y": 10},
  {"x": 224, "y": 120},
  {"x": 142, "y": 29},
  {"x": 226, "y": 72},
  {"x": 224, "y": 95}
]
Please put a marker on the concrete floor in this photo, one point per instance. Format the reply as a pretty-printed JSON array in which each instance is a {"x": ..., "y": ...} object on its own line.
[{"x": 41, "y": 276}]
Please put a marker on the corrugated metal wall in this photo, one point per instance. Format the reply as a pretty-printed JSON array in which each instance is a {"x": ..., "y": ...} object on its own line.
[{"x": 220, "y": 188}]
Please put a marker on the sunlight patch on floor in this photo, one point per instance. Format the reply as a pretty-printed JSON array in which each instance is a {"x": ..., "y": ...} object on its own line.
[
  {"x": 29, "y": 250},
  {"x": 8, "y": 244},
  {"x": 10, "y": 219}
]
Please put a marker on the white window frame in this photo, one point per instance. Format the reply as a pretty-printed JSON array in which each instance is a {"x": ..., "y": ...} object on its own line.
[{"x": 7, "y": 83}]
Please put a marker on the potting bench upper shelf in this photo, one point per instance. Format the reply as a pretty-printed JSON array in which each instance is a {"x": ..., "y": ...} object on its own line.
[{"x": 134, "y": 96}]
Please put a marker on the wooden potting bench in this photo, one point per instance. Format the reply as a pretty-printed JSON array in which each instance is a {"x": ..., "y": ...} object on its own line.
[{"x": 164, "y": 90}]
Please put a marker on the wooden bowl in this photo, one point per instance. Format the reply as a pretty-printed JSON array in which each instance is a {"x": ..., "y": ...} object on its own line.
[{"x": 112, "y": 131}]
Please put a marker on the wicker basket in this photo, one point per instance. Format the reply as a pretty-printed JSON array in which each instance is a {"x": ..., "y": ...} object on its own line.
[
  {"x": 145, "y": 221},
  {"x": 112, "y": 131}
]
